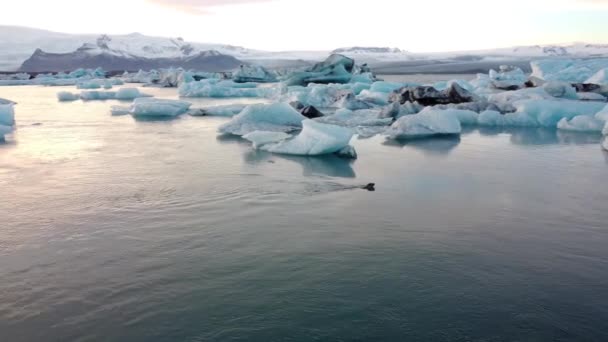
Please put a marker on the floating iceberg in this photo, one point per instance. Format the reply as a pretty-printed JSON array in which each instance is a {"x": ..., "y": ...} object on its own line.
[
  {"x": 318, "y": 95},
  {"x": 429, "y": 96},
  {"x": 601, "y": 77},
  {"x": 560, "y": 89},
  {"x": 275, "y": 117},
  {"x": 7, "y": 114},
  {"x": 7, "y": 119},
  {"x": 355, "y": 118},
  {"x": 581, "y": 123},
  {"x": 90, "y": 95},
  {"x": 568, "y": 70},
  {"x": 315, "y": 139},
  {"x": 335, "y": 69},
  {"x": 261, "y": 138},
  {"x": 151, "y": 107},
  {"x": 209, "y": 88},
  {"x": 427, "y": 123},
  {"x": 508, "y": 78},
  {"x": 129, "y": 94},
  {"x": 548, "y": 113},
  {"x": 97, "y": 95},
  {"x": 225, "y": 110},
  {"x": 65, "y": 96},
  {"x": 492, "y": 118},
  {"x": 94, "y": 84},
  {"x": 252, "y": 73}
]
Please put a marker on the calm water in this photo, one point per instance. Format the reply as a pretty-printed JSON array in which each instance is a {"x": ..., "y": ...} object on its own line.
[{"x": 121, "y": 230}]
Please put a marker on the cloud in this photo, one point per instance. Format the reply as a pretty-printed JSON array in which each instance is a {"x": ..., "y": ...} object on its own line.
[{"x": 198, "y": 7}]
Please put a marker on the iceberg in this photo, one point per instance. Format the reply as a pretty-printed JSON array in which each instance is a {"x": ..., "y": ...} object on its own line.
[
  {"x": 548, "y": 113},
  {"x": 584, "y": 96},
  {"x": 97, "y": 95},
  {"x": 275, "y": 117},
  {"x": 315, "y": 139},
  {"x": 508, "y": 78},
  {"x": 129, "y": 94},
  {"x": 568, "y": 70},
  {"x": 427, "y": 123},
  {"x": 261, "y": 138},
  {"x": 225, "y": 110},
  {"x": 601, "y": 77},
  {"x": 209, "y": 88},
  {"x": 602, "y": 114},
  {"x": 151, "y": 107},
  {"x": 252, "y": 73},
  {"x": 95, "y": 84},
  {"x": 429, "y": 96},
  {"x": 65, "y": 96},
  {"x": 492, "y": 118},
  {"x": 7, "y": 114},
  {"x": 560, "y": 89},
  {"x": 7, "y": 119},
  {"x": 605, "y": 144},
  {"x": 318, "y": 95},
  {"x": 335, "y": 69},
  {"x": 581, "y": 123},
  {"x": 356, "y": 118}
]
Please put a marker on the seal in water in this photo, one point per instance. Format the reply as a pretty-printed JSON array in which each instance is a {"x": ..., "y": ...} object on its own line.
[{"x": 369, "y": 187}]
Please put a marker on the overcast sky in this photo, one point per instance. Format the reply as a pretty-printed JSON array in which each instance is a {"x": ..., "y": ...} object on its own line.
[{"x": 418, "y": 26}]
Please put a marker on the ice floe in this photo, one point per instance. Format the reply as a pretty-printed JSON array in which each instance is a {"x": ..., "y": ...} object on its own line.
[
  {"x": 315, "y": 139},
  {"x": 425, "y": 124},
  {"x": 275, "y": 117}
]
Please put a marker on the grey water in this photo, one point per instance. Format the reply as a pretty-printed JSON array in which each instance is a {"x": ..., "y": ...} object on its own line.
[{"x": 114, "y": 229}]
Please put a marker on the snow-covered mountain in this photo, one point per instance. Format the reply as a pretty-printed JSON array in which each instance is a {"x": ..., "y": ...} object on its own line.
[{"x": 17, "y": 44}]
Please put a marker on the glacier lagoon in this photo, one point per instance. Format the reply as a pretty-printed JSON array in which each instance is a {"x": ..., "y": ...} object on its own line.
[{"x": 116, "y": 228}]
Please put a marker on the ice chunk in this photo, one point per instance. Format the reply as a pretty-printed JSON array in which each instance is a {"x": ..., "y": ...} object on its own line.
[
  {"x": 508, "y": 97},
  {"x": 508, "y": 78},
  {"x": 548, "y": 113},
  {"x": 591, "y": 97},
  {"x": 600, "y": 77},
  {"x": 4, "y": 130},
  {"x": 206, "y": 88},
  {"x": 315, "y": 139},
  {"x": 335, "y": 69},
  {"x": 350, "y": 118},
  {"x": 602, "y": 114},
  {"x": 492, "y": 118},
  {"x": 152, "y": 107},
  {"x": 129, "y": 94},
  {"x": 388, "y": 87},
  {"x": 67, "y": 96},
  {"x": 581, "y": 123},
  {"x": 224, "y": 110},
  {"x": 97, "y": 95},
  {"x": 568, "y": 70},
  {"x": 5, "y": 101},
  {"x": 7, "y": 114},
  {"x": 275, "y": 117},
  {"x": 427, "y": 123},
  {"x": 560, "y": 89},
  {"x": 260, "y": 138},
  {"x": 318, "y": 95},
  {"x": 94, "y": 84},
  {"x": 348, "y": 152},
  {"x": 252, "y": 73},
  {"x": 376, "y": 98},
  {"x": 120, "y": 110},
  {"x": 466, "y": 117}
]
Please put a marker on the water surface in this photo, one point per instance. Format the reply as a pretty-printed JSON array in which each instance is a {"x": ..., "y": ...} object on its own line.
[{"x": 115, "y": 229}]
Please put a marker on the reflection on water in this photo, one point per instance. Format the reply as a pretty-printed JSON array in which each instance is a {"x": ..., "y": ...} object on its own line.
[{"x": 441, "y": 145}]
